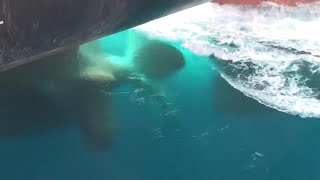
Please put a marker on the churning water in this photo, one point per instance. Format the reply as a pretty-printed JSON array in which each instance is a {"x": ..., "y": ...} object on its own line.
[
  {"x": 244, "y": 106},
  {"x": 270, "y": 53}
]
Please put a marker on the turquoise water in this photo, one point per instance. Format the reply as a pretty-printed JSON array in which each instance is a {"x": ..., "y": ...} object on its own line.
[{"x": 212, "y": 130}]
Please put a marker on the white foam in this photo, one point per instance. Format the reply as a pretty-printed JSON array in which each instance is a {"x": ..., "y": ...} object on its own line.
[{"x": 277, "y": 43}]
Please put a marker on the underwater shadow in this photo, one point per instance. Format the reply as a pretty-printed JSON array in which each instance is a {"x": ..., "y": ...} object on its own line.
[
  {"x": 34, "y": 114},
  {"x": 75, "y": 90}
]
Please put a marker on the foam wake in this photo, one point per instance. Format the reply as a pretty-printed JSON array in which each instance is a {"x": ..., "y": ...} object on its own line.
[{"x": 271, "y": 53}]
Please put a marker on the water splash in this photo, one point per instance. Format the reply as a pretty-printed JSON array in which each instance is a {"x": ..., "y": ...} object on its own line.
[{"x": 270, "y": 53}]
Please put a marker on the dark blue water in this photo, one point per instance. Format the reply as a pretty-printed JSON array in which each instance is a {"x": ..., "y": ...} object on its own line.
[{"x": 216, "y": 133}]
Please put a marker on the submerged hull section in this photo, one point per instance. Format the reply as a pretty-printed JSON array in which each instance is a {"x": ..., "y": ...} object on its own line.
[{"x": 33, "y": 29}]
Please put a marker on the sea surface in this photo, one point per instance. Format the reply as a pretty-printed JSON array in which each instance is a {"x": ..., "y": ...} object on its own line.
[{"x": 246, "y": 106}]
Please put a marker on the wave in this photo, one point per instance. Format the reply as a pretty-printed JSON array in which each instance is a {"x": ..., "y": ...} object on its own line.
[{"x": 270, "y": 52}]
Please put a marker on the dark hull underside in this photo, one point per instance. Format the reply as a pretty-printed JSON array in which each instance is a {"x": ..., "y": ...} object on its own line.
[{"x": 33, "y": 29}]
